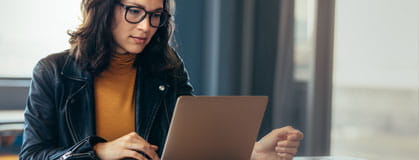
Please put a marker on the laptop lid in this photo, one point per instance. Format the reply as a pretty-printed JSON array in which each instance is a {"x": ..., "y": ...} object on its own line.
[{"x": 214, "y": 127}]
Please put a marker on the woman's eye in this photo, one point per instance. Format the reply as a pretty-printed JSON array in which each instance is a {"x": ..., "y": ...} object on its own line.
[
  {"x": 134, "y": 11},
  {"x": 156, "y": 15}
]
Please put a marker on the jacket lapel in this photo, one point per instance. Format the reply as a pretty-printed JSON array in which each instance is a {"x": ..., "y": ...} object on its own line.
[
  {"x": 79, "y": 102},
  {"x": 149, "y": 98},
  {"x": 149, "y": 95}
]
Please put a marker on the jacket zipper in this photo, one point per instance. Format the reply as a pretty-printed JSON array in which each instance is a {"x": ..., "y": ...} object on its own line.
[
  {"x": 69, "y": 153},
  {"x": 67, "y": 115},
  {"x": 75, "y": 155},
  {"x": 69, "y": 126}
]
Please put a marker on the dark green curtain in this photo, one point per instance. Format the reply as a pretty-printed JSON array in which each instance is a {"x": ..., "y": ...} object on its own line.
[
  {"x": 231, "y": 48},
  {"x": 245, "y": 47}
]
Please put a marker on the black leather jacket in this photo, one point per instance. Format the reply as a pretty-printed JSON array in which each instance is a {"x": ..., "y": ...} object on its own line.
[{"x": 60, "y": 112}]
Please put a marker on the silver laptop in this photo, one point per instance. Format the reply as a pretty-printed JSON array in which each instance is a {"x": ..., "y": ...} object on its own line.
[{"x": 214, "y": 127}]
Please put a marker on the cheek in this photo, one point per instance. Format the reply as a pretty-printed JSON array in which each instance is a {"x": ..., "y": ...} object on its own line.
[
  {"x": 120, "y": 33},
  {"x": 119, "y": 29},
  {"x": 153, "y": 32},
  {"x": 117, "y": 32}
]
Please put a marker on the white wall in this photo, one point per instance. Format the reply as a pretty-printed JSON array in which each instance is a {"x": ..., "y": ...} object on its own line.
[
  {"x": 377, "y": 42},
  {"x": 375, "y": 111},
  {"x": 32, "y": 29}
]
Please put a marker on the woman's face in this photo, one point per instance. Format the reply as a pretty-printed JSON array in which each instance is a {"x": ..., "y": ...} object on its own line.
[{"x": 132, "y": 38}]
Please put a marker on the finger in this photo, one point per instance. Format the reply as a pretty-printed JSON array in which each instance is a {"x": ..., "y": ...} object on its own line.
[
  {"x": 155, "y": 147},
  {"x": 285, "y": 156},
  {"x": 150, "y": 153},
  {"x": 288, "y": 130},
  {"x": 133, "y": 138},
  {"x": 288, "y": 144},
  {"x": 138, "y": 143},
  {"x": 298, "y": 134},
  {"x": 284, "y": 131},
  {"x": 156, "y": 158},
  {"x": 288, "y": 150},
  {"x": 295, "y": 136},
  {"x": 136, "y": 146},
  {"x": 133, "y": 154},
  {"x": 141, "y": 140},
  {"x": 148, "y": 157},
  {"x": 145, "y": 148}
]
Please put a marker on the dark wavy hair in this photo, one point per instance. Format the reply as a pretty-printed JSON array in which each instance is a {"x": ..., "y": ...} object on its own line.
[{"x": 92, "y": 43}]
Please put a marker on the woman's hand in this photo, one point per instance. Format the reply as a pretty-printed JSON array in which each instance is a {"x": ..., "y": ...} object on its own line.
[
  {"x": 126, "y": 147},
  {"x": 279, "y": 144}
]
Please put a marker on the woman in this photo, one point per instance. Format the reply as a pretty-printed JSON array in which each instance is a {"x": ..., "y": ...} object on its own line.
[{"x": 111, "y": 96}]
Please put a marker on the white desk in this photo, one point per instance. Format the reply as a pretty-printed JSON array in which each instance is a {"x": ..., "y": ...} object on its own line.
[
  {"x": 11, "y": 121},
  {"x": 327, "y": 158},
  {"x": 11, "y": 116}
]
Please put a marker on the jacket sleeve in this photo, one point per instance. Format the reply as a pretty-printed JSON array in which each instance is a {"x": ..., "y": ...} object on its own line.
[
  {"x": 40, "y": 134},
  {"x": 183, "y": 86}
]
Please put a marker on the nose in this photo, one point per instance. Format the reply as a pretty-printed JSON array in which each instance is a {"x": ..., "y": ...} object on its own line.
[{"x": 144, "y": 24}]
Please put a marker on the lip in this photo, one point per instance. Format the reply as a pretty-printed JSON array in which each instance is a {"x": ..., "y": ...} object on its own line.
[{"x": 139, "y": 40}]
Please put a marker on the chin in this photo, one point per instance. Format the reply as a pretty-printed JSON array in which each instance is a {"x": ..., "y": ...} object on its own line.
[{"x": 135, "y": 50}]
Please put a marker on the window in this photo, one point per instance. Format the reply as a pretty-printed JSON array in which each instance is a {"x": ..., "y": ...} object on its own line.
[
  {"x": 376, "y": 79},
  {"x": 30, "y": 30}
]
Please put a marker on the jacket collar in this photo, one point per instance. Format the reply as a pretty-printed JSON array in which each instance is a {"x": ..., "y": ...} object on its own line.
[
  {"x": 149, "y": 94},
  {"x": 72, "y": 71}
]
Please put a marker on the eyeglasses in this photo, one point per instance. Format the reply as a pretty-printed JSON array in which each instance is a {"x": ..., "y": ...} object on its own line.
[{"x": 136, "y": 14}]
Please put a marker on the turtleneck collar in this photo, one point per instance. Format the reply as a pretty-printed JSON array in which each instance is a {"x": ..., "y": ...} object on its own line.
[
  {"x": 122, "y": 63},
  {"x": 123, "y": 59}
]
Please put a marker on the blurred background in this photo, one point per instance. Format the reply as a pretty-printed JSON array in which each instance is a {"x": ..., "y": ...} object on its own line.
[{"x": 345, "y": 72}]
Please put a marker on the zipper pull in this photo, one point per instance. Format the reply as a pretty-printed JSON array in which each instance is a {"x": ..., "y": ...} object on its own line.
[{"x": 65, "y": 156}]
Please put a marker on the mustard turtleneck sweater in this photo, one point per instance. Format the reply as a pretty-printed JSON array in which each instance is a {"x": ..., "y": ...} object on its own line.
[{"x": 114, "y": 98}]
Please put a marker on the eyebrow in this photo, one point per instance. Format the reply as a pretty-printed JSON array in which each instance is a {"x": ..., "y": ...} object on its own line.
[{"x": 141, "y": 6}]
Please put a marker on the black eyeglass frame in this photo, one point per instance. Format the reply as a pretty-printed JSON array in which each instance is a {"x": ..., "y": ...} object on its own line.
[{"x": 150, "y": 14}]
